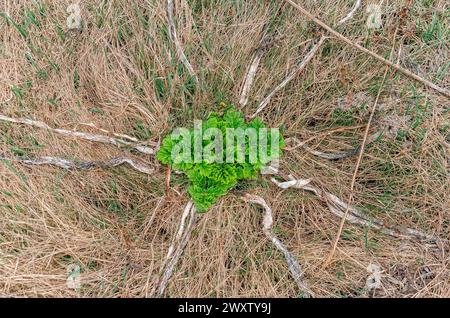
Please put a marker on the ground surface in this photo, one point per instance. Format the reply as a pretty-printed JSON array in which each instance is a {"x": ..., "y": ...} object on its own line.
[{"x": 122, "y": 74}]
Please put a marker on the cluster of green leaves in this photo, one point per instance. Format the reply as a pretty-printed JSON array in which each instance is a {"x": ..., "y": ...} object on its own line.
[{"x": 211, "y": 180}]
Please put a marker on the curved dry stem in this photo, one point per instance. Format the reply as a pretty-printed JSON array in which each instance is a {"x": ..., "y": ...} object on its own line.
[
  {"x": 338, "y": 208},
  {"x": 174, "y": 38},
  {"x": 265, "y": 44},
  {"x": 82, "y": 135},
  {"x": 177, "y": 247},
  {"x": 82, "y": 165},
  {"x": 293, "y": 264},
  {"x": 249, "y": 77}
]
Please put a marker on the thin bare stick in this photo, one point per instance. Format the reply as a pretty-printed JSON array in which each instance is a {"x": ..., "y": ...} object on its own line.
[
  {"x": 290, "y": 76},
  {"x": 181, "y": 227},
  {"x": 82, "y": 165},
  {"x": 250, "y": 76},
  {"x": 265, "y": 44},
  {"x": 82, "y": 135},
  {"x": 168, "y": 176},
  {"x": 395, "y": 66},
  {"x": 338, "y": 208},
  {"x": 177, "y": 247},
  {"x": 293, "y": 265},
  {"x": 251, "y": 71},
  {"x": 123, "y": 136},
  {"x": 174, "y": 38}
]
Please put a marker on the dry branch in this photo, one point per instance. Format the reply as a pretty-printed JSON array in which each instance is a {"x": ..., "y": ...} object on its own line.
[
  {"x": 176, "y": 41},
  {"x": 397, "y": 67},
  {"x": 265, "y": 43},
  {"x": 177, "y": 247},
  {"x": 122, "y": 136},
  {"x": 293, "y": 265},
  {"x": 250, "y": 76},
  {"x": 338, "y": 207},
  {"x": 82, "y": 135},
  {"x": 82, "y": 165}
]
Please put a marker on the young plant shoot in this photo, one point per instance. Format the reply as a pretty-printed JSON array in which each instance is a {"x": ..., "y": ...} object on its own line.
[{"x": 219, "y": 152}]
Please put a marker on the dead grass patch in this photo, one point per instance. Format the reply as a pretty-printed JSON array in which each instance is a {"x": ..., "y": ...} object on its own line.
[{"x": 122, "y": 74}]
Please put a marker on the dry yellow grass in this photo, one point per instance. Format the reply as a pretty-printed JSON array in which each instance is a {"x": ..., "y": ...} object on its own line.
[{"x": 122, "y": 74}]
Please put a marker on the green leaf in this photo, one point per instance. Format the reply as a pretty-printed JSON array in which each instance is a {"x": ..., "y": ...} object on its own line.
[{"x": 210, "y": 181}]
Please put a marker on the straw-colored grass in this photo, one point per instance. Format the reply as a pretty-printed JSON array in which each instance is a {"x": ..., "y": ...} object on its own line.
[{"x": 122, "y": 73}]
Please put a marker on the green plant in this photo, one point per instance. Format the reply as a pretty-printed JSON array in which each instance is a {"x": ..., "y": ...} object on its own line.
[{"x": 210, "y": 179}]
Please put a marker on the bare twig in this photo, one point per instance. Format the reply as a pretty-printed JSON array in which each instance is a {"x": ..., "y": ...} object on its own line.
[
  {"x": 82, "y": 135},
  {"x": 82, "y": 165},
  {"x": 122, "y": 136},
  {"x": 176, "y": 41},
  {"x": 397, "y": 67},
  {"x": 251, "y": 72},
  {"x": 177, "y": 247},
  {"x": 249, "y": 77},
  {"x": 338, "y": 208},
  {"x": 265, "y": 44},
  {"x": 168, "y": 175},
  {"x": 181, "y": 227},
  {"x": 293, "y": 265}
]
